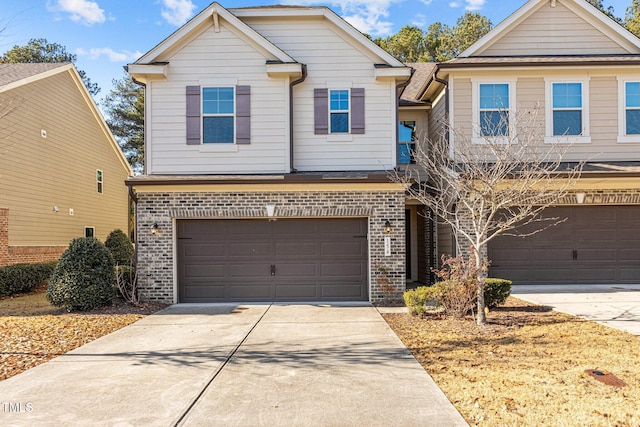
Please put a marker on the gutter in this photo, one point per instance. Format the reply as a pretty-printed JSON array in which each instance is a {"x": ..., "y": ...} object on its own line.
[{"x": 291, "y": 85}]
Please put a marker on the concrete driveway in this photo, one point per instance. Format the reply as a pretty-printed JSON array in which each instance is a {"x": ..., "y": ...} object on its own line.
[
  {"x": 231, "y": 365},
  {"x": 617, "y": 306}
]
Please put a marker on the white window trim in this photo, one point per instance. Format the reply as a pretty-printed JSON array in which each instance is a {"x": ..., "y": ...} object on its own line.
[
  {"x": 476, "y": 136},
  {"x": 550, "y": 138},
  {"x": 623, "y": 138},
  {"x": 203, "y": 115},
  {"x": 348, "y": 132},
  {"x": 89, "y": 227}
]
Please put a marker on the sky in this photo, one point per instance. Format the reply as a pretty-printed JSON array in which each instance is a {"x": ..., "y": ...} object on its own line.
[{"x": 107, "y": 34}]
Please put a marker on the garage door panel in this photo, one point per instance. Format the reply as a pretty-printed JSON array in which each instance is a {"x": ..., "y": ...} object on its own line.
[
  {"x": 297, "y": 291},
  {"x": 597, "y": 244},
  {"x": 249, "y": 249},
  {"x": 248, "y": 269},
  {"x": 243, "y": 292},
  {"x": 287, "y": 270},
  {"x": 301, "y": 249},
  {"x": 204, "y": 270},
  {"x": 313, "y": 259},
  {"x": 205, "y": 250}
]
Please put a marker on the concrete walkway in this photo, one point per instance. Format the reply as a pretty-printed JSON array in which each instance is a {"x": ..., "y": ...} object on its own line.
[
  {"x": 617, "y": 306},
  {"x": 228, "y": 365}
]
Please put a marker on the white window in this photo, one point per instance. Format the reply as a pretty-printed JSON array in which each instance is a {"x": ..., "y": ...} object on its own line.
[
  {"x": 629, "y": 110},
  {"x": 339, "y": 111},
  {"x": 493, "y": 110},
  {"x": 218, "y": 115},
  {"x": 567, "y": 112},
  {"x": 99, "y": 183}
]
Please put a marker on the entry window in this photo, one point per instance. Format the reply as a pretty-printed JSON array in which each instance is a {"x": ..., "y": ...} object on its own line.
[
  {"x": 567, "y": 109},
  {"x": 99, "y": 181},
  {"x": 218, "y": 115},
  {"x": 89, "y": 232},
  {"x": 406, "y": 142},
  {"x": 493, "y": 109},
  {"x": 632, "y": 108},
  {"x": 339, "y": 111}
]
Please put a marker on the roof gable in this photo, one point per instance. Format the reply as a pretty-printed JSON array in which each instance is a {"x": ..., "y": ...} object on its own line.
[
  {"x": 18, "y": 75},
  {"x": 210, "y": 17},
  {"x": 555, "y": 27}
]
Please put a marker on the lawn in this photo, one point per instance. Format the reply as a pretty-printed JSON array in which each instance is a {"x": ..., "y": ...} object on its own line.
[
  {"x": 32, "y": 331},
  {"x": 527, "y": 366}
]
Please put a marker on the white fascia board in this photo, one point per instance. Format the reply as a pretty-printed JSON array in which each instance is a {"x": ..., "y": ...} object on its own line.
[
  {"x": 144, "y": 72},
  {"x": 402, "y": 73},
  {"x": 287, "y": 69},
  {"x": 207, "y": 16}
]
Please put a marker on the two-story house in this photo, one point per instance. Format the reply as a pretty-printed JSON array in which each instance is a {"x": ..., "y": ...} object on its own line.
[
  {"x": 581, "y": 71},
  {"x": 61, "y": 169},
  {"x": 269, "y": 133}
]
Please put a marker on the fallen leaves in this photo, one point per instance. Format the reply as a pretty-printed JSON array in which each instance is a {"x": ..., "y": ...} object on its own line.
[
  {"x": 32, "y": 332},
  {"x": 526, "y": 366}
]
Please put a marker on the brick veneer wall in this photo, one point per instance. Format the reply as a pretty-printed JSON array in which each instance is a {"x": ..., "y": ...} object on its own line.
[
  {"x": 10, "y": 255},
  {"x": 155, "y": 252}
]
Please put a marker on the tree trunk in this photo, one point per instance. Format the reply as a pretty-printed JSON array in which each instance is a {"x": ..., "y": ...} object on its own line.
[{"x": 482, "y": 316}]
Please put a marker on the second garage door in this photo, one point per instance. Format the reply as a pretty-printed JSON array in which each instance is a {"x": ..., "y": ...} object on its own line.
[
  {"x": 282, "y": 260},
  {"x": 596, "y": 244}
]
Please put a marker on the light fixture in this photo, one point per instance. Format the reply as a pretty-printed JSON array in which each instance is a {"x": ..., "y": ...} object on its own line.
[
  {"x": 154, "y": 228},
  {"x": 387, "y": 227},
  {"x": 55, "y": 208},
  {"x": 271, "y": 209},
  {"x": 580, "y": 198}
]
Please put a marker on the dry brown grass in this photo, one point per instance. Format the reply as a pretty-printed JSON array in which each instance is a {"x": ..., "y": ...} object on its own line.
[
  {"x": 527, "y": 366},
  {"x": 33, "y": 332}
]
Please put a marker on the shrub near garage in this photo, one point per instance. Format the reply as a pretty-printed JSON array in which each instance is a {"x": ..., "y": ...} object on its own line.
[
  {"x": 19, "y": 278},
  {"x": 120, "y": 247},
  {"x": 84, "y": 277}
]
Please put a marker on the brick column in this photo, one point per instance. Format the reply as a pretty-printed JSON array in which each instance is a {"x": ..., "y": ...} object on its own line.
[{"x": 4, "y": 236}]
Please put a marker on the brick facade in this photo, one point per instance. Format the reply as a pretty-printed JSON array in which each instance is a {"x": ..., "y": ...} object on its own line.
[
  {"x": 10, "y": 255},
  {"x": 156, "y": 254}
]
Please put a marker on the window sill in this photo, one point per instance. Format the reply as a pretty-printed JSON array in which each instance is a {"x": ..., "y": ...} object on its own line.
[
  {"x": 344, "y": 137},
  {"x": 218, "y": 148},
  {"x": 480, "y": 140},
  {"x": 629, "y": 139},
  {"x": 572, "y": 139}
]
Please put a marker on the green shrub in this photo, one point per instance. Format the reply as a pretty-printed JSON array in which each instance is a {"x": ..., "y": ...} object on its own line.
[
  {"x": 120, "y": 247},
  {"x": 417, "y": 299},
  {"x": 496, "y": 291},
  {"x": 84, "y": 277},
  {"x": 23, "y": 277}
]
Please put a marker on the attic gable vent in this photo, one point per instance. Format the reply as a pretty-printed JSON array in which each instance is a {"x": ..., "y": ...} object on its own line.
[{"x": 553, "y": 3}]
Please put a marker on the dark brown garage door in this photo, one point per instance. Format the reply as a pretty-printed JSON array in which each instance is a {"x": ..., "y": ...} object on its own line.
[
  {"x": 282, "y": 260},
  {"x": 599, "y": 244}
]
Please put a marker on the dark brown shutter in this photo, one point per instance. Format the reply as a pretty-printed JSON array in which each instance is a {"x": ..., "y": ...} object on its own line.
[
  {"x": 243, "y": 114},
  {"x": 321, "y": 111},
  {"x": 193, "y": 115},
  {"x": 357, "y": 110}
]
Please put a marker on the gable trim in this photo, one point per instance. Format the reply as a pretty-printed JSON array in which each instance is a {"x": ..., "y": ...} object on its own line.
[
  {"x": 207, "y": 15},
  {"x": 582, "y": 8}
]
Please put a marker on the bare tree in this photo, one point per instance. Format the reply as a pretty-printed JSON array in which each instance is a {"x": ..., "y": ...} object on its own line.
[{"x": 491, "y": 184}]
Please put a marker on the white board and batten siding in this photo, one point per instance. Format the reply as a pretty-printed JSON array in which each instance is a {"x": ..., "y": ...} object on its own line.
[
  {"x": 216, "y": 60},
  {"x": 554, "y": 31}
]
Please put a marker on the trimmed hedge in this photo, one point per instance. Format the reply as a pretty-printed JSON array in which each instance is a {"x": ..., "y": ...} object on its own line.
[
  {"x": 496, "y": 291},
  {"x": 416, "y": 299},
  {"x": 19, "y": 278},
  {"x": 84, "y": 278}
]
